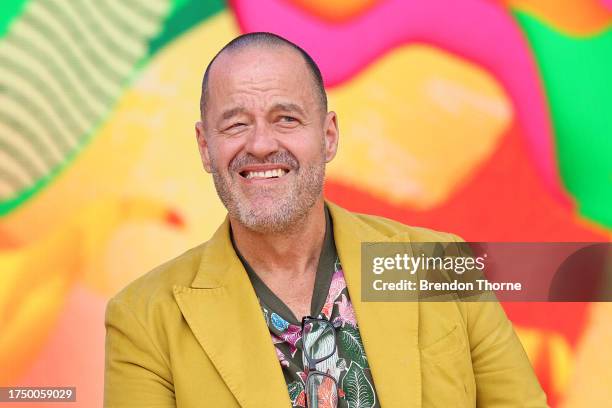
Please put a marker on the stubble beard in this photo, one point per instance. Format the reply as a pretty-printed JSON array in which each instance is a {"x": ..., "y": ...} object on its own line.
[{"x": 271, "y": 210}]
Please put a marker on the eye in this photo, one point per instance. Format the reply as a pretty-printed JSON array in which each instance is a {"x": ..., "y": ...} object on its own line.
[
  {"x": 287, "y": 120},
  {"x": 235, "y": 126}
]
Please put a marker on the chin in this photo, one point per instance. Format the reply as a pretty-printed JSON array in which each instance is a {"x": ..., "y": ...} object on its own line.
[{"x": 264, "y": 218}]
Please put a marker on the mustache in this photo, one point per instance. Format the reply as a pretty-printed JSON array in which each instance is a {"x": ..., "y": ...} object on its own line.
[{"x": 281, "y": 157}]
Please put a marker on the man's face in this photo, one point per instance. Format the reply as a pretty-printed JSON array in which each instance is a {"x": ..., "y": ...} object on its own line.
[{"x": 265, "y": 138}]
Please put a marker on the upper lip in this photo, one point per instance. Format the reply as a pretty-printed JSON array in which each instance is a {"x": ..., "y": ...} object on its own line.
[{"x": 263, "y": 167}]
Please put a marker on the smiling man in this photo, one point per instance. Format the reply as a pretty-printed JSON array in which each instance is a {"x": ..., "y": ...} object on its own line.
[{"x": 267, "y": 313}]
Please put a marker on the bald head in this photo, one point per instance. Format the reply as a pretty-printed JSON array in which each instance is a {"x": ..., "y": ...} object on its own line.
[{"x": 270, "y": 41}]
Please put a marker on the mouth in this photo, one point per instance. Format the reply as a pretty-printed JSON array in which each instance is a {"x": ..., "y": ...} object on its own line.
[{"x": 272, "y": 173}]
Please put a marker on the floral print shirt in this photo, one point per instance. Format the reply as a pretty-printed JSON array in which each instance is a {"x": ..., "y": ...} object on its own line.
[{"x": 331, "y": 301}]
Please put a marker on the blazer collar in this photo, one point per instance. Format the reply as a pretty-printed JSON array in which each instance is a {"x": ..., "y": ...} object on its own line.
[
  {"x": 218, "y": 260},
  {"x": 224, "y": 314}
]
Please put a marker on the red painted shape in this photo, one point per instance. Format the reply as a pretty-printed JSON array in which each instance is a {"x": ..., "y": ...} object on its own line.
[
  {"x": 505, "y": 201},
  {"x": 175, "y": 219}
]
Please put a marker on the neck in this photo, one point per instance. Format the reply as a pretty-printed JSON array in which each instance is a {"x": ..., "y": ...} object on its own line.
[{"x": 288, "y": 254}]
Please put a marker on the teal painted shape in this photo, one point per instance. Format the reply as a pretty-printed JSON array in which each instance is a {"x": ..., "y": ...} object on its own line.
[
  {"x": 185, "y": 15},
  {"x": 577, "y": 75}
]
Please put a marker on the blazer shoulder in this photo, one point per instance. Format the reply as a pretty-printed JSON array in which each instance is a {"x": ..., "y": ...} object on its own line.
[
  {"x": 157, "y": 284},
  {"x": 395, "y": 229}
]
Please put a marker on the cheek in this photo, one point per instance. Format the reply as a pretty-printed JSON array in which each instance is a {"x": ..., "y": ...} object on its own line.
[
  {"x": 224, "y": 153},
  {"x": 306, "y": 147}
]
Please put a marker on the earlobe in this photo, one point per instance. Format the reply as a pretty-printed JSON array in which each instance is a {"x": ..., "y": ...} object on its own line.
[{"x": 203, "y": 146}]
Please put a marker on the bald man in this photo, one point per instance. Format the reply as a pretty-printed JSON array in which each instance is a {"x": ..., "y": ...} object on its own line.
[{"x": 267, "y": 313}]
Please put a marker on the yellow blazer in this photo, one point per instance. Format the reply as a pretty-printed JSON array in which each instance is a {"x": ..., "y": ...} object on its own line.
[{"x": 191, "y": 333}]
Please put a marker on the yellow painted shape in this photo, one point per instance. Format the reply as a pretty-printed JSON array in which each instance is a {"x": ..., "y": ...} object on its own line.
[
  {"x": 532, "y": 340},
  {"x": 590, "y": 383},
  {"x": 416, "y": 124},
  {"x": 573, "y": 17},
  {"x": 36, "y": 278},
  {"x": 24, "y": 336},
  {"x": 337, "y": 10},
  {"x": 34, "y": 282},
  {"x": 560, "y": 355},
  {"x": 561, "y": 358}
]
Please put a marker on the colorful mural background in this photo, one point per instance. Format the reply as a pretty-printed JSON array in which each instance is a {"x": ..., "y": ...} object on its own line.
[{"x": 490, "y": 119}]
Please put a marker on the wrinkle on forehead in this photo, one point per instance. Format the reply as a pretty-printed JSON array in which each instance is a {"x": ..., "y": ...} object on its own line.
[{"x": 258, "y": 78}]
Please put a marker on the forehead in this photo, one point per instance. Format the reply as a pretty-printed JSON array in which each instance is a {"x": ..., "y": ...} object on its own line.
[{"x": 260, "y": 76}]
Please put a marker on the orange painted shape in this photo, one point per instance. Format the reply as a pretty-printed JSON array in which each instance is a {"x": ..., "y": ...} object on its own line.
[
  {"x": 335, "y": 11},
  {"x": 573, "y": 17}
]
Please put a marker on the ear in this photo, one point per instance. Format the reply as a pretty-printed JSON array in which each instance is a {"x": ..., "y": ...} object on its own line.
[
  {"x": 203, "y": 146},
  {"x": 332, "y": 134}
]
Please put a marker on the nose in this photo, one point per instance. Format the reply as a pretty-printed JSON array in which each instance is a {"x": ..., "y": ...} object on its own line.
[{"x": 261, "y": 141}]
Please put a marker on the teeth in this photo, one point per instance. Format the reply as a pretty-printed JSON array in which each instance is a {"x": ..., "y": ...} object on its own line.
[{"x": 266, "y": 174}]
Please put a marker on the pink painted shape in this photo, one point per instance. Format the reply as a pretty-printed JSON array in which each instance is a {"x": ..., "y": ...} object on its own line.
[
  {"x": 607, "y": 4},
  {"x": 477, "y": 30},
  {"x": 74, "y": 352}
]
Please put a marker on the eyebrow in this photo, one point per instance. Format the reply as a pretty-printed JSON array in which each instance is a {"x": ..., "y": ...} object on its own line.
[
  {"x": 232, "y": 112},
  {"x": 288, "y": 107},
  {"x": 281, "y": 106}
]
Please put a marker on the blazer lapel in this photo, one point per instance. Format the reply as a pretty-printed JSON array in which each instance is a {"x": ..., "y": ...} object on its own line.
[
  {"x": 389, "y": 330},
  {"x": 223, "y": 312}
]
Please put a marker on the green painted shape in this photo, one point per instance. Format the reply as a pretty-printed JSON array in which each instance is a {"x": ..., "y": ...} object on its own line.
[
  {"x": 577, "y": 75},
  {"x": 185, "y": 15},
  {"x": 176, "y": 4},
  {"x": 8, "y": 11}
]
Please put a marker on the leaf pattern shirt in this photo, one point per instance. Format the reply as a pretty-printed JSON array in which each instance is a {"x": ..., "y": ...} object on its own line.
[{"x": 331, "y": 301}]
